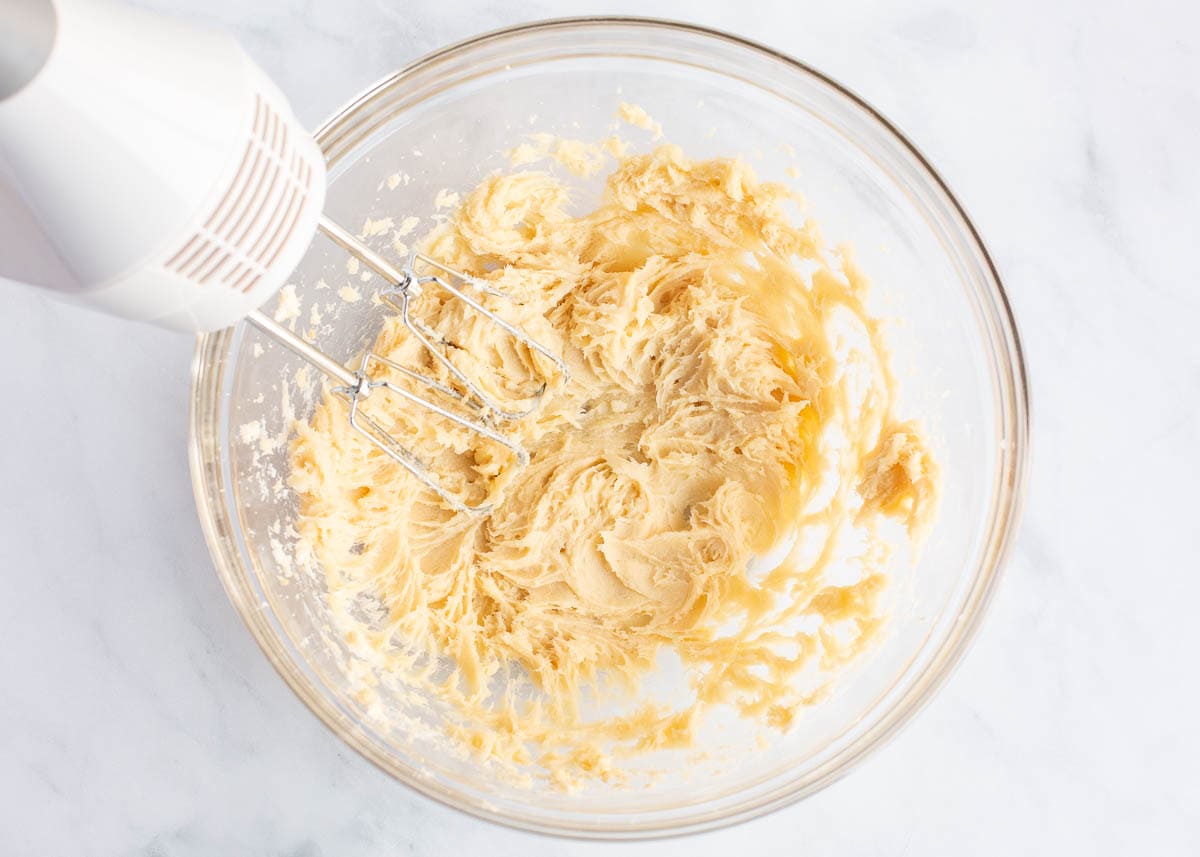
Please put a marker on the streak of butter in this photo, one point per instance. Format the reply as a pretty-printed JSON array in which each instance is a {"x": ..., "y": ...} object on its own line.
[
  {"x": 637, "y": 116},
  {"x": 396, "y": 179},
  {"x": 374, "y": 227},
  {"x": 407, "y": 226},
  {"x": 713, "y": 410},
  {"x": 288, "y": 308},
  {"x": 900, "y": 478},
  {"x": 250, "y": 432},
  {"x": 446, "y": 198},
  {"x": 581, "y": 158}
]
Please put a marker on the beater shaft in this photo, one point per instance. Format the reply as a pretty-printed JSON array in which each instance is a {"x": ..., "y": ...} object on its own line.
[{"x": 301, "y": 347}]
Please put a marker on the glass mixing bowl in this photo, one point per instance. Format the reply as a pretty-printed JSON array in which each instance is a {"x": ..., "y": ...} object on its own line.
[{"x": 445, "y": 122}]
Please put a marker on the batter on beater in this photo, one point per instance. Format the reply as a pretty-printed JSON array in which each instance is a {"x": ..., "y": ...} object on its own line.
[{"x": 729, "y": 394}]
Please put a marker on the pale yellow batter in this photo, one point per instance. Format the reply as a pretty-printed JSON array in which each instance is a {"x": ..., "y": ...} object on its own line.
[{"x": 728, "y": 394}]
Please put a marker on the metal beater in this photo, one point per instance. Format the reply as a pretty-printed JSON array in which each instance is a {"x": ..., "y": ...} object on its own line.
[{"x": 355, "y": 386}]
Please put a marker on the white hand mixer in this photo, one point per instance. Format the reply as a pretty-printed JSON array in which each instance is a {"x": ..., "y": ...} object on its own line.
[{"x": 150, "y": 169}]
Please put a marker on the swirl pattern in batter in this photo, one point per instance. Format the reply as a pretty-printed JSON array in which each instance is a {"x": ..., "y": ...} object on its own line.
[{"x": 729, "y": 394}]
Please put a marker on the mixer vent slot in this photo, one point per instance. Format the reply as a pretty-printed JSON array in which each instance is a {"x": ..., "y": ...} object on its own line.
[{"x": 249, "y": 226}]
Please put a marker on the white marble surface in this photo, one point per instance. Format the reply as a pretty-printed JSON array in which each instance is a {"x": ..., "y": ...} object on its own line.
[{"x": 137, "y": 716}]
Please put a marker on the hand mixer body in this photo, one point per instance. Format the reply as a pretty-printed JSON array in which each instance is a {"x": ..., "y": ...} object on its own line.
[{"x": 147, "y": 166}]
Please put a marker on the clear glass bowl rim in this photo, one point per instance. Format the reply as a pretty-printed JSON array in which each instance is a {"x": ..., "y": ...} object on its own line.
[{"x": 204, "y": 439}]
